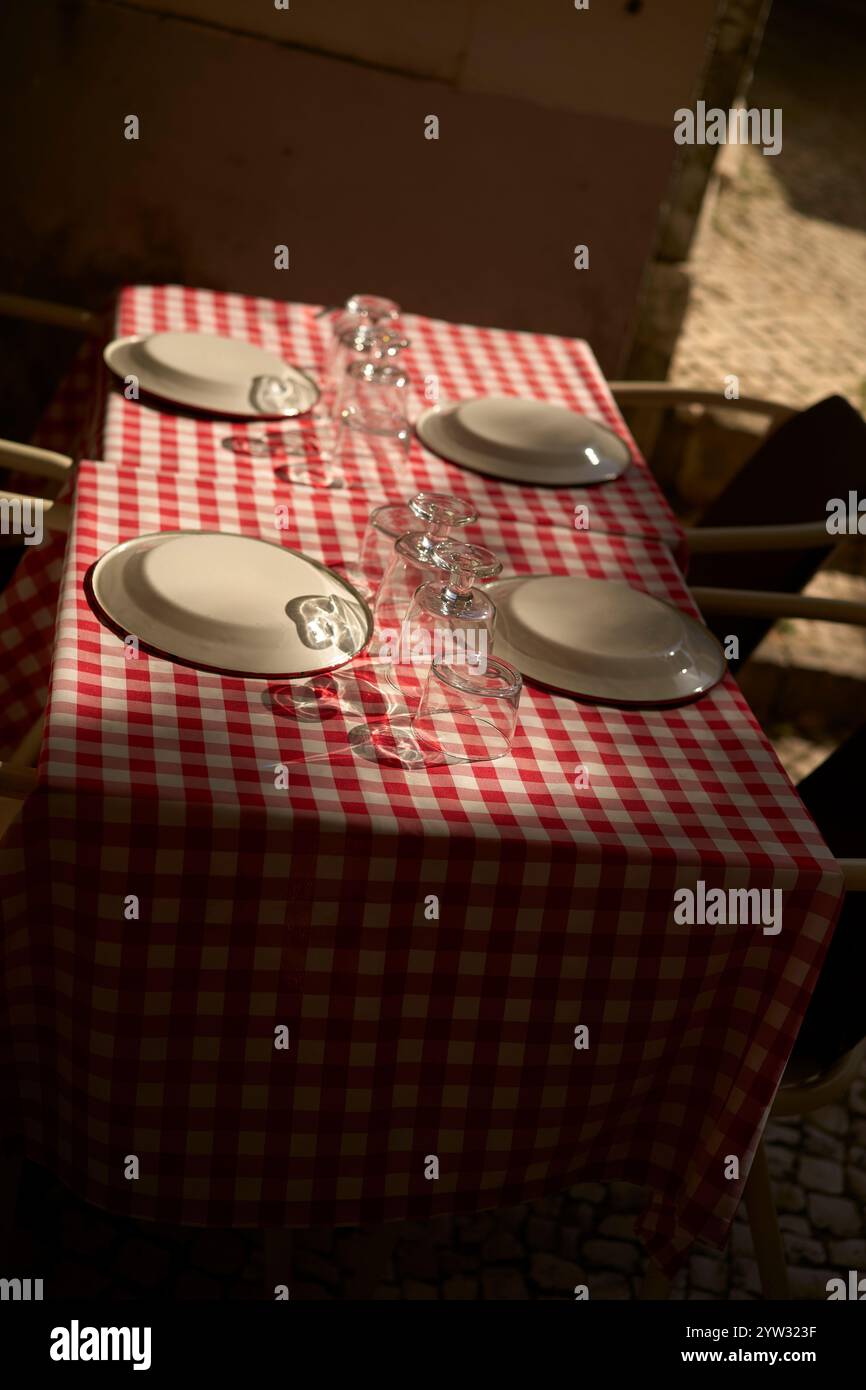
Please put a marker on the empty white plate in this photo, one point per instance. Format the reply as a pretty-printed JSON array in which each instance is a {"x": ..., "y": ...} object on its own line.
[
  {"x": 211, "y": 373},
  {"x": 603, "y": 640},
  {"x": 231, "y": 603},
  {"x": 524, "y": 441}
]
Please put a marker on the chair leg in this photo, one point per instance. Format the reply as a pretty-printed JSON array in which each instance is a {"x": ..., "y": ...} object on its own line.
[
  {"x": 656, "y": 1285},
  {"x": 766, "y": 1238}
]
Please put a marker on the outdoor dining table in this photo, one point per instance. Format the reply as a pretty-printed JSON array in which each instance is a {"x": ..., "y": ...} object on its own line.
[{"x": 354, "y": 992}]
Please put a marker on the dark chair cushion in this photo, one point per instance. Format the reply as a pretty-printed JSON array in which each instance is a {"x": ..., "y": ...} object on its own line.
[{"x": 816, "y": 455}]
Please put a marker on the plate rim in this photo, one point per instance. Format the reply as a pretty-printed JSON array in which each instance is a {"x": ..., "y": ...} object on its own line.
[
  {"x": 622, "y": 703},
  {"x": 110, "y": 621},
  {"x": 247, "y": 413},
  {"x": 437, "y": 410}
]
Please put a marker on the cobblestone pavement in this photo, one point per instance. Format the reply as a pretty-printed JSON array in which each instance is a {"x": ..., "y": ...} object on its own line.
[
  {"x": 537, "y": 1251},
  {"x": 779, "y": 263}
]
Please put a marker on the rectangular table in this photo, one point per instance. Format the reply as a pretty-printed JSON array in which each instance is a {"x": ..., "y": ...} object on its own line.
[
  {"x": 187, "y": 909},
  {"x": 456, "y": 360}
]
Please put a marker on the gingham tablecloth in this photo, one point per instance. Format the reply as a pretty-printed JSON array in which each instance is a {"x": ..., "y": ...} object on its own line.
[
  {"x": 449, "y": 360},
  {"x": 415, "y": 1032}
]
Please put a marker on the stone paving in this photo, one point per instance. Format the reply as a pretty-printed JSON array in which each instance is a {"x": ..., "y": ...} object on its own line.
[
  {"x": 779, "y": 262},
  {"x": 537, "y": 1251}
]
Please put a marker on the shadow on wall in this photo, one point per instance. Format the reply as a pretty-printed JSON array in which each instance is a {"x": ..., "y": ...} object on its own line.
[
  {"x": 244, "y": 144},
  {"x": 812, "y": 66}
]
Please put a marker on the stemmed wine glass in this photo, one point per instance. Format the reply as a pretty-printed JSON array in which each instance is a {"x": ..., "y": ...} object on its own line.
[
  {"x": 412, "y": 559},
  {"x": 449, "y": 619}
]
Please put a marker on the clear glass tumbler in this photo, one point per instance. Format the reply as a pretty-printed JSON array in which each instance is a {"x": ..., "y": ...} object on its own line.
[
  {"x": 367, "y": 343},
  {"x": 385, "y": 525},
  {"x": 467, "y": 715},
  {"x": 374, "y": 307},
  {"x": 372, "y": 432},
  {"x": 359, "y": 311}
]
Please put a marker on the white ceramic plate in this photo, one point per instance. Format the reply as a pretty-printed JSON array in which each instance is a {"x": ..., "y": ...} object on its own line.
[
  {"x": 231, "y": 603},
  {"x": 524, "y": 441},
  {"x": 209, "y": 373},
  {"x": 603, "y": 640}
]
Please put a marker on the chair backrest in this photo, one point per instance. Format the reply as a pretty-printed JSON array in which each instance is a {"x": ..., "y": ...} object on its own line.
[
  {"x": 24, "y": 462},
  {"x": 818, "y": 454}
]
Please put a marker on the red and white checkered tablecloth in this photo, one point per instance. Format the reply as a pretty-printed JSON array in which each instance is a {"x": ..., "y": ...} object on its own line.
[
  {"x": 190, "y": 909},
  {"x": 463, "y": 361},
  {"x": 89, "y": 418}
]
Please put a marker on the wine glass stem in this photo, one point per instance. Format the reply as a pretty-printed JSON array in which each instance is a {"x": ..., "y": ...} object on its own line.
[
  {"x": 458, "y": 589},
  {"x": 456, "y": 598},
  {"x": 437, "y": 530}
]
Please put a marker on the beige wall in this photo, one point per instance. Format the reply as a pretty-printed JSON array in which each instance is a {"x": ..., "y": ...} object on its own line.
[
  {"x": 555, "y": 129},
  {"x": 611, "y": 59}
]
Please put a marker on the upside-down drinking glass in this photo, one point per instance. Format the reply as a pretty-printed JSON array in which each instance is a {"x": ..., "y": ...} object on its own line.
[
  {"x": 385, "y": 525},
  {"x": 359, "y": 311},
  {"x": 372, "y": 431},
  {"x": 374, "y": 307},
  {"x": 466, "y": 714},
  {"x": 376, "y": 400},
  {"x": 366, "y": 343}
]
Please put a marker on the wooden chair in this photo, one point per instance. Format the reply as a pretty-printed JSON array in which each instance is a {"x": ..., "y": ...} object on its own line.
[
  {"x": 17, "y": 776},
  {"x": 772, "y": 517},
  {"x": 26, "y": 458},
  {"x": 17, "y": 773},
  {"x": 18, "y": 306},
  {"x": 27, "y": 461},
  {"x": 56, "y": 516},
  {"x": 799, "y": 1094}
]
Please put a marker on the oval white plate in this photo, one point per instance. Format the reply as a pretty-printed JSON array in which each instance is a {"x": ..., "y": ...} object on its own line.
[
  {"x": 603, "y": 640},
  {"x": 231, "y": 603},
  {"x": 207, "y": 372},
  {"x": 524, "y": 441}
]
